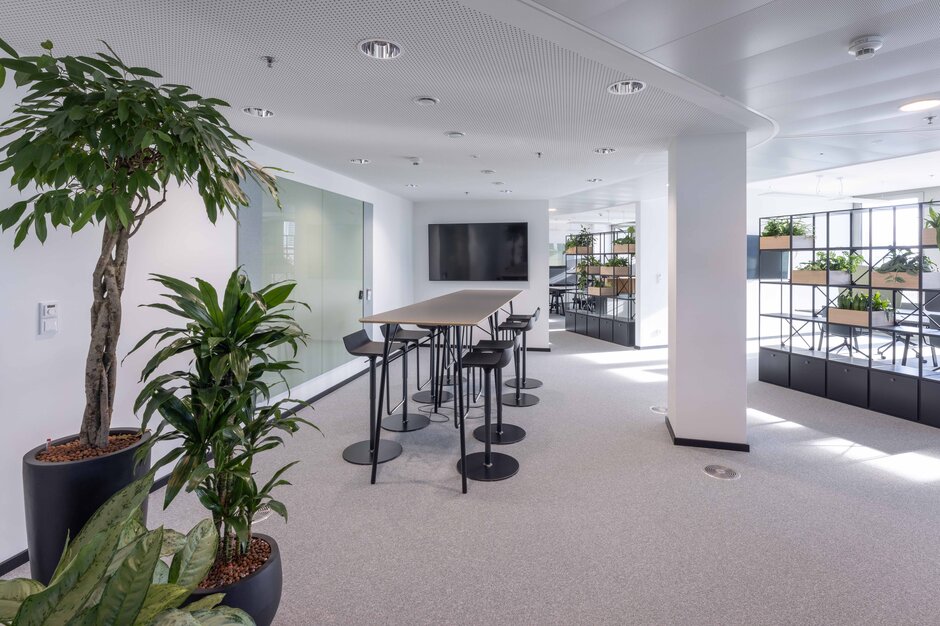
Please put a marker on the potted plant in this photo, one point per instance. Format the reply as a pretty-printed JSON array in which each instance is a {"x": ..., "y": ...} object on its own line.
[
  {"x": 853, "y": 310},
  {"x": 220, "y": 418},
  {"x": 593, "y": 265},
  {"x": 616, "y": 266},
  {"x": 901, "y": 269},
  {"x": 601, "y": 287},
  {"x": 115, "y": 571},
  {"x": 931, "y": 234},
  {"x": 96, "y": 144},
  {"x": 828, "y": 268},
  {"x": 627, "y": 243},
  {"x": 582, "y": 243},
  {"x": 785, "y": 233}
]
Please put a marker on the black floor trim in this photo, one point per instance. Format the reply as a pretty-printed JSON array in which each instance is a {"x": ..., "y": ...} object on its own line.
[
  {"x": 705, "y": 443},
  {"x": 538, "y": 349}
]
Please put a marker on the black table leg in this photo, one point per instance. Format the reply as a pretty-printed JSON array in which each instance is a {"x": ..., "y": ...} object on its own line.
[
  {"x": 378, "y": 417},
  {"x": 459, "y": 406}
]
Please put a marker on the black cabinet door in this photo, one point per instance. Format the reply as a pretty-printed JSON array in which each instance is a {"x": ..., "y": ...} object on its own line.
[
  {"x": 593, "y": 326},
  {"x": 808, "y": 374},
  {"x": 623, "y": 333},
  {"x": 606, "y": 329},
  {"x": 570, "y": 321},
  {"x": 580, "y": 323},
  {"x": 930, "y": 402},
  {"x": 847, "y": 383},
  {"x": 893, "y": 394},
  {"x": 773, "y": 366}
]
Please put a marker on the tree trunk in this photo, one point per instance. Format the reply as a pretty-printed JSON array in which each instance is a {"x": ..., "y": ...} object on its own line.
[{"x": 102, "y": 363}]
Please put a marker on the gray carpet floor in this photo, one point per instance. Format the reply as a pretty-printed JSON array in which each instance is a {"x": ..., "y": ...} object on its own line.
[{"x": 834, "y": 519}]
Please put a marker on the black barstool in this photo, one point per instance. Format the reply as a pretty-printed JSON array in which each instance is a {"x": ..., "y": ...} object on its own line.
[
  {"x": 360, "y": 453},
  {"x": 487, "y": 465},
  {"x": 435, "y": 395},
  {"x": 404, "y": 422},
  {"x": 527, "y": 383},
  {"x": 499, "y": 433},
  {"x": 514, "y": 329}
]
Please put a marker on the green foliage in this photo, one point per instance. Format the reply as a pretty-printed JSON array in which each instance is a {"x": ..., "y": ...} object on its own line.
[
  {"x": 584, "y": 239},
  {"x": 905, "y": 261},
  {"x": 108, "y": 575},
  {"x": 628, "y": 238},
  {"x": 861, "y": 302},
  {"x": 779, "y": 227},
  {"x": 933, "y": 218},
  {"x": 837, "y": 262},
  {"x": 617, "y": 262},
  {"x": 592, "y": 261},
  {"x": 216, "y": 408}
]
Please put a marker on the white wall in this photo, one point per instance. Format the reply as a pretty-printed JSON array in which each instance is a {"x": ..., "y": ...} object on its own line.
[
  {"x": 535, "y": 290},
  {"x": 652, "y": 261},
  {"x": 41, "y": 379}
]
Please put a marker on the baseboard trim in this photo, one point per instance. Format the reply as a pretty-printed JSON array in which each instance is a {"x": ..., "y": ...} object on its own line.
[
  {"x": 705, "y": 443},
  {"x": 538, "y": 349}
]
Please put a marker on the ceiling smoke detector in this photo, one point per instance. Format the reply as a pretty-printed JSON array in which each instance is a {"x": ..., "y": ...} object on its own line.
[
  {"x": 487, "y": 172},
  {"x": 605, "y": 150},
  {"x": 258, "y": 112},
  {"x": 381, "y": 49},
  {"x": 865, "y": 47},
  {"x": 425, "y": 101},
  {"x": 594, "y": 180},
  {"x": 626, "y": 87},
  {"x": 454, "y": 134},
  {"x": 359, "y": 161}
]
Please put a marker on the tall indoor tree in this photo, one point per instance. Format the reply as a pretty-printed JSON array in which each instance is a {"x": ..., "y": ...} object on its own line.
[{"x": 96, "y": 141}]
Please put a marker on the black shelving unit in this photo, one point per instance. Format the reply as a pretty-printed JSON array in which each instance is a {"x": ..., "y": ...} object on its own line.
[
  {"x": 885, "y": 361},
  {"x": 603, "y": 303}
]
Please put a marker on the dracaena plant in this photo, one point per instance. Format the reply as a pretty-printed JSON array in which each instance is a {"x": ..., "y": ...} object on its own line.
[
  {"x": 218, "y": 409},
  {"x": 96, "y": 142},
  {"x": 932, "y": 220},
  {"x": 780, "y": 227},
  {"x": 115, "y": 571}
]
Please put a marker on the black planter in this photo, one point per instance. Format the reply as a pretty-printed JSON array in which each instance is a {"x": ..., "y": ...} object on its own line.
[
  {"x": 258, "y": 594},
  {"x": 61, "y": 497}
]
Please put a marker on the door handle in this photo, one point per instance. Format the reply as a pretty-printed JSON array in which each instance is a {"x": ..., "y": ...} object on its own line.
[{"x": 360, "y": 294}]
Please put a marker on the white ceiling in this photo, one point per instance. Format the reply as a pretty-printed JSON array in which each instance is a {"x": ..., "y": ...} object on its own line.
[
  {"x": 501, "y": 80},
  {"x": 788, "y": 59}
]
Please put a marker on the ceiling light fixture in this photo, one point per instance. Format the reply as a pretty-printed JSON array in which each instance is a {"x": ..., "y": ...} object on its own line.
[
  {"x": 505, "y": 191},
  {"x": 454, "y": 134},
  {"x": 498, "y": 182},
  {"x": 626, "y": 87},
  {"x": 425, "y": 101},
  {"x": 381, "y": 49},
  {"x": 258, "y": 112},
  {"x": 487, "y": 172},
  {"x": 359, "y": 161},
  {"x": 411, "y": 186},
  {"x": 865, "y": 47},
  {"x": 605, "y": 150},
  {"x": 595, "y": 180},
  {"x": 919, "y": 105},
  {"x": 552, "y": 210}
]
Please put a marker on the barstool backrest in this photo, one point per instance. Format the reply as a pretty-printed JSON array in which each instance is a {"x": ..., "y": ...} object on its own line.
[
  {"x": 356, "y": 340},
  {"x": 535, "y": 316},
  {"x": 390, "y": 330}
]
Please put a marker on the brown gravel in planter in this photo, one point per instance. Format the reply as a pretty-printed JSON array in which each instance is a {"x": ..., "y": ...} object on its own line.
[
  {"x": 75, "y": 451},
  {"x": 227, "y": 573}
]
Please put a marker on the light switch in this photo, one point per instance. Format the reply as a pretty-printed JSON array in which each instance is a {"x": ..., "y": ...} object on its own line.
[{"x": 48, "y": 318}]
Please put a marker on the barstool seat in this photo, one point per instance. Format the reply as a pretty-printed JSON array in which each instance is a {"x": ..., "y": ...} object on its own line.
[
  {"x": 494, "y": 344},
  {"x": 523, "y": 324},
  {"x": 412, "y": 336},
  {"x": 499, "y": 433}
]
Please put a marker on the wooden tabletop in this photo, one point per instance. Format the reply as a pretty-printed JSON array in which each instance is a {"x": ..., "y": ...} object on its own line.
[{"x": 460, "y": 308}]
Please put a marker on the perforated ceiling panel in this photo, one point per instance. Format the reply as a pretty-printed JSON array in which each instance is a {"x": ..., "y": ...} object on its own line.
[{"x": 512, "y": 93}]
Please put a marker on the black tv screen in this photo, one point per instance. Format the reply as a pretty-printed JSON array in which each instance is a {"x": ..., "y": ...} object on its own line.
[{"x": 495, "y": 251}]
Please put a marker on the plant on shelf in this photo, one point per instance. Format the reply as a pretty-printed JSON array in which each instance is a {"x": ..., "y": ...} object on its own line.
[
  {"x": 629, "y": 237},
  {"x": 98, "y": 143},
  {"x": 115, "y": 571},
  {"x": 836, "y": 262},
  {"x": 932, "y": 223},
  {"x": 217, "y": 413},
  {"x": 617, "y": 262},
  {"x": 785, "y": 227},
  {"x": 859, "y": 309},
  {"x": 581, "y": 243},
  {"x": 862, "y": 302},
  {"x": 583, "y": 277},
  {"x": 902, "y": 268}
]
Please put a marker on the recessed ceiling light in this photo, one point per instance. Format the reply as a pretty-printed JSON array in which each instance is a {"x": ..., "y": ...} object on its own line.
[
  {"x": 258, "y": 112},
  {"x": 595, "y": 180},
  {"x": 381, "y": 49},
  {"x": 920, "y": 105},
  {"x": 359, "y": 161},
  {"x": 425, "y": 101},
  {"x": 552, "y": 210},
  {"x": 605, "y": 150},
  {"x": 487, "y": 172},
  {"x": 454, "y": 134},
  {"x": 626, "y": 87},
  {"x": 498, "y": 182},
  {"x": 505, "y": 191},
  {"x": 411, "y": 186}
]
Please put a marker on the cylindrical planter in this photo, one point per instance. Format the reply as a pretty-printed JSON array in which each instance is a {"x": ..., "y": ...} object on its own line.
[
  {"x": 61, "y": 497},
  {"x": 258, "y": 594}
]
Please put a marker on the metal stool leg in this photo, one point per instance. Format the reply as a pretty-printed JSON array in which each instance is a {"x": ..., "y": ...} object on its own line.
[
  {"x": 500, "y": 434},
  {"x": 405, "y": 422},
  {"x": 518, "y": 398},
  {"x": 361, "y": 453},
  {"x": 527, "y": 383},
  {"x": 488, "y": 465}
]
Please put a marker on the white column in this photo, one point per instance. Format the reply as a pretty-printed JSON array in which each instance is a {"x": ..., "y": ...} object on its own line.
[
  {"x": 707, "y": 290},
  {"x": 652, "y": 260}
]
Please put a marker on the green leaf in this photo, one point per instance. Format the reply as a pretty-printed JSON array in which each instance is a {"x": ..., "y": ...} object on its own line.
[
  {"x": 207, "y": 602},
  {"x": 173, "y": 542},
  {"x": 143, "y": 71},
  {"x": 161, "y": 573},
  {"x": 126, "y": 590},
  {"x": 13, "y": 593},
  {"x": 175, "y": 617},
  {"x": 46, "y": 45},
  {"x": 8, "y": 49},
  {"x": 159, "y": 599},
  {"x": 223, "y": 616},
  {"x": 191, "y": 564}
]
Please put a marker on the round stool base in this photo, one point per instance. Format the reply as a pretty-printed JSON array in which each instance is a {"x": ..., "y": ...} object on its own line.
[
  {"x": 511, "y": 434},
  {"x": 397, "y": 424},
  {"x": 425, "y": 397},
  {"x": 525, "y": 399},
  {"x": 450, "y": 381},
  {"x": 502, "y": 466},
  {"x": 359, "y": 453},
  {"x": 530, "y": 383}
]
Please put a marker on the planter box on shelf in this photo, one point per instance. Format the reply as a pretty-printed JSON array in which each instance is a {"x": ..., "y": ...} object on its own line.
[
  {"x": 580, "y": 250},
  {"x": 619, "y": 270},
  {"x": 593, "y": 269},
  {"x": 818, "y": 277},
  {"x": 624, "y": 248},
  {"x": 860, "y": 318},
  {"x": 929, "y": 237},
  {"x": 600, "y": 291},
  {"x": 625, "y": 285},
  {"x": 782, "y": 242},
  {"x": 895, "y": 280}
]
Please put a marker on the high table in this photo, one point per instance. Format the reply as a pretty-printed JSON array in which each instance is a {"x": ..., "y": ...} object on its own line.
[{"x": 467, "y": 307}]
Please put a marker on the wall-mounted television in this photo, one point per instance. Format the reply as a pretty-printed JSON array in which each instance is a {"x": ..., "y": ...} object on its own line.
[{"x": 488, "y": 251}]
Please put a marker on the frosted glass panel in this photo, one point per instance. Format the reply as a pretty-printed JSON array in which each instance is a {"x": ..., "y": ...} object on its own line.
[{"x": 315, "y": 239}]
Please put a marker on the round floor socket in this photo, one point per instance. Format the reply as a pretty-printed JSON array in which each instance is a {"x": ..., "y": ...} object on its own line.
[
  {"x": 722, "y": 472},
  {"x": 660, "y": 410}
]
